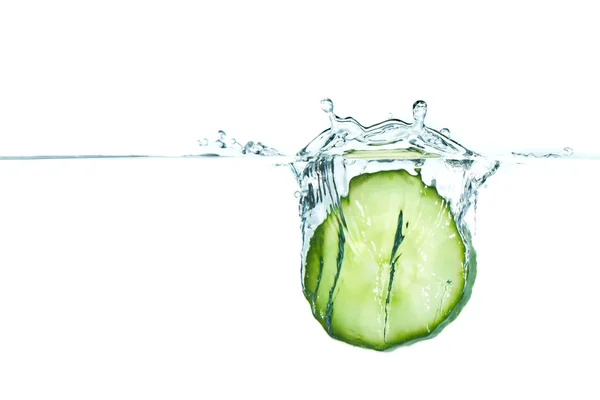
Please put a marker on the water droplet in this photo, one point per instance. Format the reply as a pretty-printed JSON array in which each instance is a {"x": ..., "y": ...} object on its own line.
[
  {"x": 249, "y": 148},
  {"x": 419, "y": 110},
  {"x": 327, "y": 105},
  {"x": 226, "y": 145},
  {"x": 567, "y": 151},
  {"x": 445, "y": 131}
]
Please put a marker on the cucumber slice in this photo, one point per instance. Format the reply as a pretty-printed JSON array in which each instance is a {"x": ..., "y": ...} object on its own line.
[{"x": 389, "y": 268}]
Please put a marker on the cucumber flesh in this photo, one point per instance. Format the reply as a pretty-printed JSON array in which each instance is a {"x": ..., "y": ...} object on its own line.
[{"x": 395, "y": 272}]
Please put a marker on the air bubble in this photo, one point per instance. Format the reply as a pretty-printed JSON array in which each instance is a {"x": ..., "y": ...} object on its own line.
[
  {"x": 203, "y": 142},
  {"x": 445, "y": 131},
  {"x": 567, "y": 151}
]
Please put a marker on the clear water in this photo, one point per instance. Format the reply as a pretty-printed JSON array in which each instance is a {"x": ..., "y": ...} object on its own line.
[{"x": 325, "y": 166}]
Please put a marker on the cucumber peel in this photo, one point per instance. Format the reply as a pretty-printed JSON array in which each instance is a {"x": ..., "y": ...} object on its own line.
[{"x": 388, "y": 267}]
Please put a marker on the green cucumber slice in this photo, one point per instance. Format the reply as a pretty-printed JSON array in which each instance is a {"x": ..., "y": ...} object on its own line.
[{"x": 395, "y": 272}]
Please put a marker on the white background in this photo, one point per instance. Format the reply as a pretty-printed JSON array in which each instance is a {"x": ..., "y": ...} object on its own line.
[{"x": 180, "y": 278}]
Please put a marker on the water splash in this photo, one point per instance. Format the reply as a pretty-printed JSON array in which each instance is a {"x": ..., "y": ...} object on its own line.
[
  {"x": 566, "y": 152},
  {"x": 390, "y": 138},
  {"x": 345, "y": 136},
  {"x": 518, "y": 155},
  {"x": 347, "y": 149},
  {"x": 226, "y": 146},
  {"x": 325, "y": 167}
]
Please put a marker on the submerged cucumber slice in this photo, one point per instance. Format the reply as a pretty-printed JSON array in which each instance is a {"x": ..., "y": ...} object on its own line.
[{"x": 396, "y": 272}]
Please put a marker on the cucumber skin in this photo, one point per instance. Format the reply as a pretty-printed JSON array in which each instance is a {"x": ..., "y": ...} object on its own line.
[{"x": 469, "y": 270}]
